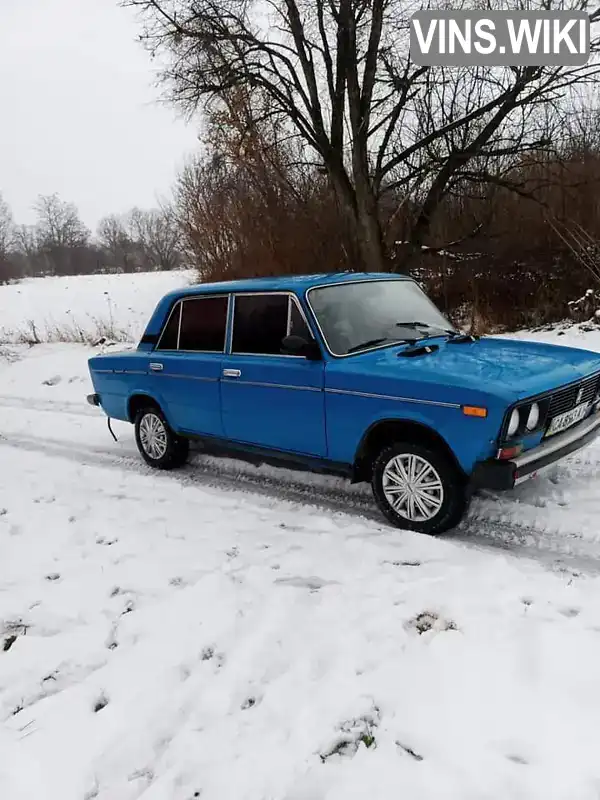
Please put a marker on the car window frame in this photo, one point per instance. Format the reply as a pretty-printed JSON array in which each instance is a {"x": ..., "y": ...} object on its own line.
[
  {"x": 292, "y": 298},
  {"x": 351, "y": 283},
  {"x": 175, "y": 307},
  {"x": 179, "y": 305}
]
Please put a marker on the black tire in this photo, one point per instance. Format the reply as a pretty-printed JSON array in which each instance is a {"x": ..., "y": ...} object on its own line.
[
  {"x": 176, "y": 449},
  {"x": 453, "y": 495}
]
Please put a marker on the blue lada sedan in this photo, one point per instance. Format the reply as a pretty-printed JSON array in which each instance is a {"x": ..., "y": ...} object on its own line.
[{"x": 354, "y": 374}]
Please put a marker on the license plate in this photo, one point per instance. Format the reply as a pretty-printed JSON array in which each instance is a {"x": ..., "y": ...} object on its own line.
[{"x": 564, "y": 421}]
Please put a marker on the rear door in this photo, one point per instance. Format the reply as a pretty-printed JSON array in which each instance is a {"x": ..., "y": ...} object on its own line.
[
  {"x": 186, "y": 364},
  {"x": 269, "y": 399}
]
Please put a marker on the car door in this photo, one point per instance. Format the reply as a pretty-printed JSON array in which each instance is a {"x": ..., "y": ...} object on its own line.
[
  {"x": 186, "y": 364},
  {"x": 269, "y": 399}
]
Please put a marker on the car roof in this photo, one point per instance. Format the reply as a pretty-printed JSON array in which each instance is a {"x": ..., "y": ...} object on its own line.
[
  {"x": 285, "y": 283},
  {"x": 294, "y": 283}
]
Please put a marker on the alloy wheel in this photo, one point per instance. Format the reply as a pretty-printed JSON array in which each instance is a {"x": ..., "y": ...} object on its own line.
[
  {"x": 413, "y": 487},
  {"x": 153, "y": 436}
]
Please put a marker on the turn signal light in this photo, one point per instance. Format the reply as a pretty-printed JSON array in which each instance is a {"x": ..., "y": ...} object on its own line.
[
  {"x": 474, "y": 411},
  {"x": 510, "y": 452}
]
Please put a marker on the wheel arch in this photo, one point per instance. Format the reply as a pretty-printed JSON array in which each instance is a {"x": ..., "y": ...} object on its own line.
[
  {"x": 385, "y": 431},
  {"x": 140, "y": 400}
]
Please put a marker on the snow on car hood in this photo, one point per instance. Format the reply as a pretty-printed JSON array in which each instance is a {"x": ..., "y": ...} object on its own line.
[{"x": 509, "y": 368}]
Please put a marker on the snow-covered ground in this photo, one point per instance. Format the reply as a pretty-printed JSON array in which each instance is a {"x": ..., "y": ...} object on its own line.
[
  {"x": 83, "y": 306},
  {"x": 234, "y": 633}
]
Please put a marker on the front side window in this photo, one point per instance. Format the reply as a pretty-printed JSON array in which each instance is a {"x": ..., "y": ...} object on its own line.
[
  {"x": 262, "y": 321},
  {"x": 359, "y": 316},
  {"x": 297, "y": 324}
]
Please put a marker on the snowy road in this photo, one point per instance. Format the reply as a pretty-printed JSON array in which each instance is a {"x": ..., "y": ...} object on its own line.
[
  {"x": 232, "y": 632},
  {"x": 554, "y": 519}
]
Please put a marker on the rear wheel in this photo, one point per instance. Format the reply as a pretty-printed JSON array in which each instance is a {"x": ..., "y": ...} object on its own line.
[
  {"x": 418, "y": 488},
  {"x": 158, "y": 444}
]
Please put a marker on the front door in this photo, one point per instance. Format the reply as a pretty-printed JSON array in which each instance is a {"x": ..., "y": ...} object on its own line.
[
  {"x": 186, "y": 365},
  {"x": 268, "y": 399}
]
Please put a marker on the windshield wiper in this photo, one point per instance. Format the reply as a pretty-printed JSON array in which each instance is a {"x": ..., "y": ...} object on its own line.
[
  {"x": 448, "y": 331},
  {"x": 454, "y": 337},
  {"x": 375, "y": 342},
  {"x": 403, "y": 340}
]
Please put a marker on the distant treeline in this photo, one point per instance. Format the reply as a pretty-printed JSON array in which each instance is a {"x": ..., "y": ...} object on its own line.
[{"x": 60, "y": 244}]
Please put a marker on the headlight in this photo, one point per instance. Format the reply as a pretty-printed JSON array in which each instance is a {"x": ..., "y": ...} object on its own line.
[
  {"x": 515, "y": 421},
  {"x": 533, "y": 418}
]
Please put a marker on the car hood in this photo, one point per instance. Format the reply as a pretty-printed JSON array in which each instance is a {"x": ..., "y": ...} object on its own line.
[{"x": 509, "y": 368}]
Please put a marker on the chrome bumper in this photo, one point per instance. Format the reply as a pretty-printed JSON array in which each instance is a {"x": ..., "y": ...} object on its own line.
[
  {"x": 530, "y": 463},
  {"x": 500, "y": 475}
]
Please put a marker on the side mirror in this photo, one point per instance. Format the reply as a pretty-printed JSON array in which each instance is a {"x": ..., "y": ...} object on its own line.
[{"x": 299, "y": 346}]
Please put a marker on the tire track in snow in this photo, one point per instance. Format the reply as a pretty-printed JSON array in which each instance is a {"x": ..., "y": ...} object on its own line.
[
  {"x": 326, "y": 493},
  {"x": 557, "y": 551},
  {"x": 53, "y": 406},
  {"x": 215, "y": 473}
]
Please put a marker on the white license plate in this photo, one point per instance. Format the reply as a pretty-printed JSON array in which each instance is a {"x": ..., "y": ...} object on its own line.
[{"x": 564, "y": 421}]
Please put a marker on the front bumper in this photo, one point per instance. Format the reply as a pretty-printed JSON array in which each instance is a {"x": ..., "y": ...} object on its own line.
[{"x": 500, "y": 475}]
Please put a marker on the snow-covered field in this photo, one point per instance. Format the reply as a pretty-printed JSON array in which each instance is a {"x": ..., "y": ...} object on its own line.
[
  {"x": 234, "y": 633},
  {"x": 82, "y": 307}
]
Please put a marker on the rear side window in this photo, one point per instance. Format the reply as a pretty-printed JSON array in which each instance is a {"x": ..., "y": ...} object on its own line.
[
  {"x": 203, "y": 324},
  {"x": 168, "y": 339}
]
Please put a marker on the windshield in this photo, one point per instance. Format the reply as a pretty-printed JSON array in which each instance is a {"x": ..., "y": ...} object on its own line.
[{"x": 358, "y": 316}]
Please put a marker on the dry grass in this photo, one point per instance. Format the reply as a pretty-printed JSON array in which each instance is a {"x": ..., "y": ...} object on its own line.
[{"x": 98, "y": 331}]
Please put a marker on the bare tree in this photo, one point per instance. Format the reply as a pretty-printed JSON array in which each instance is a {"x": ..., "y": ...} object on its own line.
[
  {"x": 339, "y": 73},
  {"x": 61, "y": 238},
  {"x": 6, "y": 229},
  {"x": 254, "y": 203},
  {"x": 7, "y": 270},
  {"x": 116, "y": 240},
  {"x": 25, "y": 240},
  {"x": 58, "y": 223},
  {"x": 158, "y": 233}
]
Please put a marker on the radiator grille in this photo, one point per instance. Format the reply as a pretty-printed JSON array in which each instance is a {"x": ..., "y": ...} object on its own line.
[{"x": 566, "y": 399}]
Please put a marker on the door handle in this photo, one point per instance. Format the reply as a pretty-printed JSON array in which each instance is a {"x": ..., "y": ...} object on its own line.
[
  {"x": 155, "y": 366},
  {"x": 232, "y": 373}
]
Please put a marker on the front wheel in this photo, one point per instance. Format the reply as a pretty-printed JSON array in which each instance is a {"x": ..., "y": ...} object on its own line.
[
  {"x": 158, "y": 444},
  {"x": 418, "y": 488}
]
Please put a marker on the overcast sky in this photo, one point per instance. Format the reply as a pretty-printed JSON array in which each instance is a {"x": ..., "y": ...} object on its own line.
[{"x": 79, "y": 114}]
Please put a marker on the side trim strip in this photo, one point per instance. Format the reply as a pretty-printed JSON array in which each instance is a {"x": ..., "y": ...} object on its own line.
[
  {"x": 393, "y": 397},
  {"x": 121, "y": 371},
  {"x": 186, "y": 377},
  {"x": 238, "y": 382}
]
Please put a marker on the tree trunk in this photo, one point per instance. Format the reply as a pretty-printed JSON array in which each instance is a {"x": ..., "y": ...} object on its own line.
[
  {"x": 360, "y": 206},
  {"x": 370, "y": 239}
]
